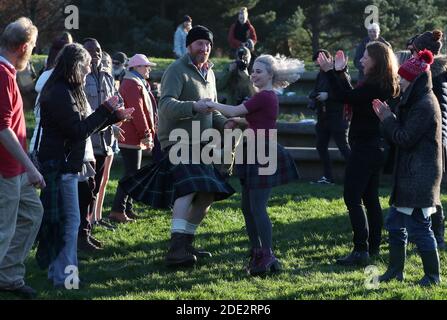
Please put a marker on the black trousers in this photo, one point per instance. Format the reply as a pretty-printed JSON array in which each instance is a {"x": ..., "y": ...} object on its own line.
[
  {"x": 132, "y": 162},
  {"x": 88, "y": 190},
  {"x": 361, "y": 189},
  {"x": 86, "y": 206},
  {"x": 325, "y": 130}
]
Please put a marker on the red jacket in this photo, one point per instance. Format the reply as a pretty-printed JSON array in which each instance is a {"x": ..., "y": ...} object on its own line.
[
  {"x": 11, "y": 116},
  {"x": 234, "y": 42},
  {"x": 143, "y": 120}
]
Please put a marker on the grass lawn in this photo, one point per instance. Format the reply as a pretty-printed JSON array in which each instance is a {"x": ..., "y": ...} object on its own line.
[{"x": 311, "y": 229}]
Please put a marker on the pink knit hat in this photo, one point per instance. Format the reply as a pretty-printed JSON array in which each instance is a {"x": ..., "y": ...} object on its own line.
[
  {"x": 140, "y": 60},
  {"x": 413, "y": 67}
]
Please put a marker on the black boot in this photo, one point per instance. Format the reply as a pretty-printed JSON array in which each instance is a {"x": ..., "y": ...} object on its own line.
[
  {"x": 396, "y": 264},
  {"x": 356, "y": 258},
  {"x": 438, "y": 227},
  {"x": 430, "y": 260},
  {"x": 178, "y": 255},
  {"x": 199, "y": 253}
]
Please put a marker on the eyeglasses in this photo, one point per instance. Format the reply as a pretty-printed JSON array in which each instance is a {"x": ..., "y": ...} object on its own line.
[{"x": 117, "y": 63}]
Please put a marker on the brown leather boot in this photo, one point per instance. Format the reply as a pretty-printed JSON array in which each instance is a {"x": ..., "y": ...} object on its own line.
[
  {"x": 178, "y": 255},
  {"x": 119, "y": 217}
]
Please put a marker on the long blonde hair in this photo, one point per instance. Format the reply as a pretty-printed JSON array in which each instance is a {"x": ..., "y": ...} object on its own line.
[{"x": 284, "y": 70}]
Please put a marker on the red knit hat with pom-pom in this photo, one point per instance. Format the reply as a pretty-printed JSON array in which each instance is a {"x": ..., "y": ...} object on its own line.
[{"x": 413, "y": 67}]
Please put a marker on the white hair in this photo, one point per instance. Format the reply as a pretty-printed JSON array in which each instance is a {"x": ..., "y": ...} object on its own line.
[
  {"x": 285, "y": 70},
  {"x": 374, "y": 26}
]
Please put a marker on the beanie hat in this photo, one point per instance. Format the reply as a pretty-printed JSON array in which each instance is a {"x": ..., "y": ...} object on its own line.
[
  {"x": 198, "y": 33},
  {"x": 120, "y": 57},
  {"x": 413, "y": 67},
  {"x": 430, "y": 40}
]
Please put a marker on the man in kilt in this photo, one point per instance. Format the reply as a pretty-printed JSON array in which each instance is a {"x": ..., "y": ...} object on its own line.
[{"x": 189, "y": 189}]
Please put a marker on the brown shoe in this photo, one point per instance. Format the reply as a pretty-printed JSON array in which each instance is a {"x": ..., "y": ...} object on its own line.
[
  {"x": 178, "y": 255},
  {"x": 119, "y": 217}
]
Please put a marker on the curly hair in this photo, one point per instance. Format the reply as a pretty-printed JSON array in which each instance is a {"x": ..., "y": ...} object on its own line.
[{"x": 285, "y": 70}]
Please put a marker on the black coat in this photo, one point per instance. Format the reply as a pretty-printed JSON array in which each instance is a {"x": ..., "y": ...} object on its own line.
[
  {"x": 64, "y": 130},
  {"x": 439, "y": 74},
  {"x": 365, "y": 125},
  {"x": 416, "y": 132}
]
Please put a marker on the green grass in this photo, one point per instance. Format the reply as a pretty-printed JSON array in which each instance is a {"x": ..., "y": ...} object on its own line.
[{"x": 310, "y": 230}]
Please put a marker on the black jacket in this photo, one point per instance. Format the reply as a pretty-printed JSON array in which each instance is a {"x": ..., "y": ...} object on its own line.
[
  {"x": 416, "y": 132},
  {"x": 64, "y": 130},
  {"x": 329, "y": 109},
  {"x": 365, "y": 125},
  {"x": 439, "y": 75}
]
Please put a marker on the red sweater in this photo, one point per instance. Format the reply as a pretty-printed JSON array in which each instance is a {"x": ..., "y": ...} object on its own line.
[{"x": 11, "y": 116}]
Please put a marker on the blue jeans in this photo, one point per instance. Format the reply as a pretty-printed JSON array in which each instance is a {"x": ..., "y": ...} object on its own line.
[
  {"x": 70, "y": 206},
  {"x": 401, "y": 225}
]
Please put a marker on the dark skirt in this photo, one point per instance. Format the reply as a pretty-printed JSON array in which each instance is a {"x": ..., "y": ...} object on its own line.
[
  {"x": 160, "y": 184},
  {"x": 286, "y": 170},
  {"x": 51, "y": 233}
]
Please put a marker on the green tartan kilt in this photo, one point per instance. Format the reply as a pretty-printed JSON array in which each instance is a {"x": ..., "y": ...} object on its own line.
[
  {"x": 160, "y": 184},
  {"x": 286, "y": 170}
]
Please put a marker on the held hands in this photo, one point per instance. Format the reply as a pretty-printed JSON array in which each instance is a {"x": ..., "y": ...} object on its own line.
[
  {"x": 201, "y": 106},
  {"x": 381, "y": 109}
]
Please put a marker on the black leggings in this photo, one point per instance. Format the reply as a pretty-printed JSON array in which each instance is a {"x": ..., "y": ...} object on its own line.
[
  {"x": 132, "y": 162},
  {"x": 362, "y": 178}
]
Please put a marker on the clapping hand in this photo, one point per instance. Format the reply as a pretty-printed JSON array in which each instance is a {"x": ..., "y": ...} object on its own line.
[
  {"x": 112, "y": 103},
  {"x": 325, "y": 63},
  {"x": 124, "y": 114},
  {"x": 381, "y": 109},
  {"x": 340, "y": 61}
]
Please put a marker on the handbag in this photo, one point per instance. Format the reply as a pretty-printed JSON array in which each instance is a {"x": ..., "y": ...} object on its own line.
[{"x": 34, "y": 155}]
